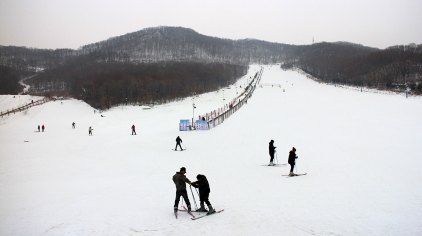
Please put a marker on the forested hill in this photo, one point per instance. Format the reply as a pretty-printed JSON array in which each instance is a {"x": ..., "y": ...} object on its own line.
[
  {"x": 182, "y": 44},
  {"x": 395, "y": 68},
  {"x": 152, "y": 45},
  {"x": 33, "y": 59},
  {"x": 103, "y": 85}
]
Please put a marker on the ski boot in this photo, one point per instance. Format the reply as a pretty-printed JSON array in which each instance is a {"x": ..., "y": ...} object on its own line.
[
  {"x": 211, "y": 210},
  {"x": 175, "y": 209},
  {"x": 202, "y": 208},
  {"x": 291, "y": 174}
]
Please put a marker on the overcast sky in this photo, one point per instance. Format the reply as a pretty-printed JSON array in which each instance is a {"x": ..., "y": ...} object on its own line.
[{"x": 73, "y": 23}]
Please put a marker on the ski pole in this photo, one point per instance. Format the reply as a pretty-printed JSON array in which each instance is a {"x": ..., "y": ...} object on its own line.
[
  {"x": 198, "y": 196},
  {"x": 276, "y": 157},
  {"x": 193, "y": 196},
  {"x": 197, "y": 193}
]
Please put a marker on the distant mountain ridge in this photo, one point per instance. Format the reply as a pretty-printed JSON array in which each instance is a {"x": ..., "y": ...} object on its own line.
[
  {"x": 397, "y": 67},
  {"x": 182, "y": 44},
  {"x": 162, "y": 44}
]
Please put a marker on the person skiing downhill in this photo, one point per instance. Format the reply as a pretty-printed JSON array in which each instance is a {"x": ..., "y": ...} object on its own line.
[
  {"x": 292, "y": 160},
  {"x": 180, "y": 181},
  {"x": 204, "y": 193},
  {"x": 272, "y": 151},
  {"x": 178, "y": 143},
  {"x": 73, "y": 125},
  {"x": 42, "y": 128},
  {"x": 133, "y": 130},
  {"x": 90, "y": 131}
]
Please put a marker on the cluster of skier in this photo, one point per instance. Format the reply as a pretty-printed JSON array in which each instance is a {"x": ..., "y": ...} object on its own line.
[
  {"x": 180, "y": 180},
  {"x": 41, "y": 128},
  {"x": 90, "y": 129},
  {"x": 291, "y": 160}
]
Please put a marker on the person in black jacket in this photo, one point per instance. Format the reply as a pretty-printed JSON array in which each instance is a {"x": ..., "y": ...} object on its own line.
[
  {"x": 272, "y": 151},
  {"x": 133, "y": 130},
  {"x": 204, "y": 193},
  {"x": 178, "y": 141},
  {"x": 292, "y": 160}
]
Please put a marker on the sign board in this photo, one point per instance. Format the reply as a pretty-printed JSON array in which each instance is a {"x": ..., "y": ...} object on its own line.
[
  {"x": 201, "y": 125},
  {"x": 184, "y": 125}
]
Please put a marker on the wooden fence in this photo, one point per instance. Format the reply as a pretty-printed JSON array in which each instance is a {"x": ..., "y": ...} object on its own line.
[{"x": 25, "y": 107}]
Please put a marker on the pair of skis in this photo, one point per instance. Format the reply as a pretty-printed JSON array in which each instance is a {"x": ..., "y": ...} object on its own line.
[
  {"x": 184, "y": 209},
  {"x": 295, "y": 175},
  {"x": 275, "y": 165},
  {"x": 278, "y": 165},
  {"x": 196, "y": 217},
  {"x": 199, "y": 217}
]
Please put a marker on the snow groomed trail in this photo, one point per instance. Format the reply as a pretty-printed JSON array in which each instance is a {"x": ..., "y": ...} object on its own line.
[{"x": 361, "y": 152}]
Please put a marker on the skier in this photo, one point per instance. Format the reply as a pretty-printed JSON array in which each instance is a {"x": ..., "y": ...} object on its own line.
[
  {"x": 73, "y": 125},
  {"x": 272, "y": 151},
  {"x": 133, "y": 130},
  {"x": 42, "y": 128},
  {"x": 39, "y": 128},
  {"x": 204, "y": 192},
  {"x": 180, "y": 181},
  {"x": 292, "y": 158},
  {"x": 178, "y": 141},
  {"x": 90, "y": 131}
]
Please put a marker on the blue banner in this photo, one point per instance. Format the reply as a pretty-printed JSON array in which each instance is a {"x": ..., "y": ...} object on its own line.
[
  {"x": 201, "y": 125},
  {"x": 183, "y": 125}
]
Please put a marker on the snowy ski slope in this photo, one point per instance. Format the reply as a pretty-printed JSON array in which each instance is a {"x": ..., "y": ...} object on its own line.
[{"x": 362, "y": 153}]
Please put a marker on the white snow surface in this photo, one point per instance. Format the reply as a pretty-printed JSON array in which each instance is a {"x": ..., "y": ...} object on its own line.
[
  {"x": 362, "y": 153},
  {"x": 10, "y": 102}
]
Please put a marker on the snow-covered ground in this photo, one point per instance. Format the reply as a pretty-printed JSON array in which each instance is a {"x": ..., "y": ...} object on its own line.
[
  {"x": 361, "y": 152},
  {"x": 10, "y": 102}
]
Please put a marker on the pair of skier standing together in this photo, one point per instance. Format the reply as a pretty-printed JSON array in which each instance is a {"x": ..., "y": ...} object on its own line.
[
  {"x": 202, "y": 184},
  {"x": 291, "y": 160}
]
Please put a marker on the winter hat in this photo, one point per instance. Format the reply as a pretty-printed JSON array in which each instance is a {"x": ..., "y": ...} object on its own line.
[
  {"x": 272, "y": 141},
  {"x": 201, "y": 177},
  {"x": 183, "y": 169},
  {"x": 294, "y": 149}
]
